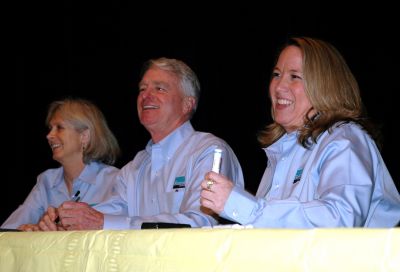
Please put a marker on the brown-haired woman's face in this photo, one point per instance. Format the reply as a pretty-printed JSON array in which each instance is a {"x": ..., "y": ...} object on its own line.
[{"x": 289, "y": 100}]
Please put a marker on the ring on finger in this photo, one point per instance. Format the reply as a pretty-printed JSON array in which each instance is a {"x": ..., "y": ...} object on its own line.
[{"x": 210, "y": 183}]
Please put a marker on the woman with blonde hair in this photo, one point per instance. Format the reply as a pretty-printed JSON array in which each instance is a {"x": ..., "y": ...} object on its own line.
[
  {"x": 83, "y": 144},
  {"x": 324, "y": 167}
]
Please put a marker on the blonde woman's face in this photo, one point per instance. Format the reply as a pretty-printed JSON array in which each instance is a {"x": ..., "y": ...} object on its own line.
[
  {"x": 289, "y": 101},
  {"x": 65, "y": 142}
]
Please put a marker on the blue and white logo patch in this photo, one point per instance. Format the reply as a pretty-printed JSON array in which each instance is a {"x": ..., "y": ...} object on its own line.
[
  {"x": 297, "y": 177},
  {"x": 179, "y": 182}
]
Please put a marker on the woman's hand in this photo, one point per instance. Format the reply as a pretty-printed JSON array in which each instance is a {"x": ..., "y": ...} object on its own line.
[{"x": 216, "y": 189}]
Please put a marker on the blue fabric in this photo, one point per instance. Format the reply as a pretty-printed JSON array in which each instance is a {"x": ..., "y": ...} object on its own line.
[
  {"x": 162, "y": 183},
  {"x": 341, "y": 181},
  {"x": 95, "y": 184}
]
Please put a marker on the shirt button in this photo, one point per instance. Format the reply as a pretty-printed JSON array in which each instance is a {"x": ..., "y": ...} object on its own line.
[
  {"x": 235, "y": 214},
  {"x": 283, "y": 158}
]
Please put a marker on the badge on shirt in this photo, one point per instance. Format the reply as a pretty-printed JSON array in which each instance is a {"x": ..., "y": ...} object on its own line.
[
  {"x": 179, "y": 182},
  {"x": 297, "y": 177}
]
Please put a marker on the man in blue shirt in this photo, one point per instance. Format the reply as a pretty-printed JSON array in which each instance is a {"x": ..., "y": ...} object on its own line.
[{"x": 162, "y": 183}]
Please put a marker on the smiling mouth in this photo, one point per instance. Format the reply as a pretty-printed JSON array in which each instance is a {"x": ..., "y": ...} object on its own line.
[
  {"x": 285, "y": 102},
  {"x": 150, "y": 107},
  {"x": 54, "y": 146}
]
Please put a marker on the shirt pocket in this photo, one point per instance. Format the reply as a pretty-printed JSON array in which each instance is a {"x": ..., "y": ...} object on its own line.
[{"x": 174, "y": 200}]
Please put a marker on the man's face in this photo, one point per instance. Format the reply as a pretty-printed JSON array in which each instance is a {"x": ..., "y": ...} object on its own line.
[{"x": 161, "y": 104}]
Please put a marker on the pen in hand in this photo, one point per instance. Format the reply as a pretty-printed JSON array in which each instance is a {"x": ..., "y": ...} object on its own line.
[{"x": 75, "y": 198}]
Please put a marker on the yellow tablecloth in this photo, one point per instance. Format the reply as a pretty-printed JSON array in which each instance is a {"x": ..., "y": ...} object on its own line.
[{"x": 203, "y": 250}]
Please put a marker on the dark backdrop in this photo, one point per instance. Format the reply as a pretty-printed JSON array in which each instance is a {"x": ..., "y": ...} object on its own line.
[{"x": 95, "y": 51}]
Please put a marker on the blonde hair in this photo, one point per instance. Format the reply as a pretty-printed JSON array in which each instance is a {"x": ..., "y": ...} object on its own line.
[
  {"x": 331, "y": 88},
  {"x": 83, "y": 114}
]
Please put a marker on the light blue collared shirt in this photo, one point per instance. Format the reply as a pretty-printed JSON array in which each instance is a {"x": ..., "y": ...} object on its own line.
[
  {"x": 162, "y": 183},
  {"x": 342, "y": 181},
  {"x": 95, "y": 184}
]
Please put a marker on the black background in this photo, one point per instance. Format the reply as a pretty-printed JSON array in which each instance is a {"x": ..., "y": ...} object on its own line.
[{"x": 95, "y": 51}]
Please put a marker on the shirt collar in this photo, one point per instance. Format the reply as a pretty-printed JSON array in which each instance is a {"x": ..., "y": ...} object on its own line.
[
  {"x": 88, "y": 174},
  {"x": 170, "y": 144},
  {"x": 278, "y": 147}
]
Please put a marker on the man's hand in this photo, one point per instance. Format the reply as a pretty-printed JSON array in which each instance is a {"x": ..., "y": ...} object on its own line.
[{"x": 79, "y": 216}]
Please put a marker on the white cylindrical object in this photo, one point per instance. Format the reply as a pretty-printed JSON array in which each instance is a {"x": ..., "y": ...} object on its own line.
[{"x": 217, "y": 160}]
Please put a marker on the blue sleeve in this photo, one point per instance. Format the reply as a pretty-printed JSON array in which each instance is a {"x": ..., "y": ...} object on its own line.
[
  {"x": 335, "y": 190},
  {"x": 31, "y": 210}
]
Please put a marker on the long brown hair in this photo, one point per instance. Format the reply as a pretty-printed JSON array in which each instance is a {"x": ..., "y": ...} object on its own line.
[{"x": 332, "y": 90}]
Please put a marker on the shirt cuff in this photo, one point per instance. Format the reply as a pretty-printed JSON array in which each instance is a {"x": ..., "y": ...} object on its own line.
[
  {"x": 116, "y": 222},
  {"x": 239, "y": 206}
]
